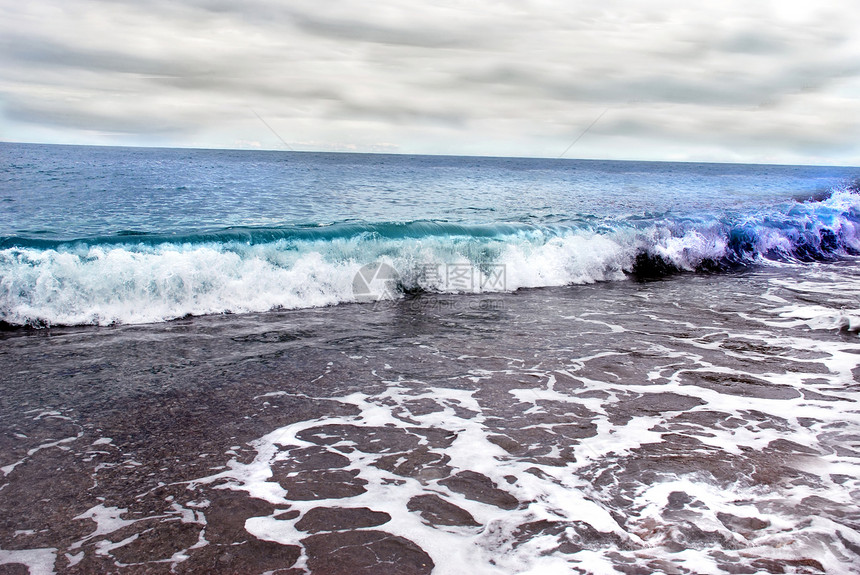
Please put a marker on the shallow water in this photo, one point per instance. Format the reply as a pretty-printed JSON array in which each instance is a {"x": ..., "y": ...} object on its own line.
[{"x": 703, "y": 423}]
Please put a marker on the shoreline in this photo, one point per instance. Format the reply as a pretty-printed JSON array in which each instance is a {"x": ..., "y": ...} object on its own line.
[{"x": 658, "y": 424}]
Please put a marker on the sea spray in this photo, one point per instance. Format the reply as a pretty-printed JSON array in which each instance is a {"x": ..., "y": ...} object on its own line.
[{"x": 156, "y": 278}]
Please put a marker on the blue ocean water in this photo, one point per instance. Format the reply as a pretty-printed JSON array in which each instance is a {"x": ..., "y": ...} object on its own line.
[
  {"x": 93, "y": 235},
  {"x": 442, "y": 415}
]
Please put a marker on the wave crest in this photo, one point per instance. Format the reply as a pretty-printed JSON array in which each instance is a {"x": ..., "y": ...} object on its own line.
[{"x": 150, "y": 279}]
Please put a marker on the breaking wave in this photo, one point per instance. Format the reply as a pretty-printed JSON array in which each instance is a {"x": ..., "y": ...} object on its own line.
[{"x": 140, "y": 278}]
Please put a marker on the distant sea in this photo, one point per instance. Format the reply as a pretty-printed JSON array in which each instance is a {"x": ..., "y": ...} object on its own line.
[{"x": 248, "y": 362}]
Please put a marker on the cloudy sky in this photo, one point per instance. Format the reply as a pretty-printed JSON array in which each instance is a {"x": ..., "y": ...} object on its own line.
[{"x": 748, "y": 80}]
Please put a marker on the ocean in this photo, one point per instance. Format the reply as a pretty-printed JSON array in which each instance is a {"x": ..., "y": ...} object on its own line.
[{"x": 222, "y": 361}]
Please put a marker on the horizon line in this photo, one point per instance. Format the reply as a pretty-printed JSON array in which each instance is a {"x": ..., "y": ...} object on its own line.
[{"x": 439, "y": 155}]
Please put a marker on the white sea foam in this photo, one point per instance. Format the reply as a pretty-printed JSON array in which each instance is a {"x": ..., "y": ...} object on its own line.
[
  {"x": 107, "y": 520},
  {"x": 142, "y": 284},
  {"x": 106, "y": 283},
  {"x": 787, "y": 517},
  {"x": 129, "y": 285},
  {"x": 841, "y": 285},
  {"x": 38, "y": 561},
  {"x": 553, "y": 493}
]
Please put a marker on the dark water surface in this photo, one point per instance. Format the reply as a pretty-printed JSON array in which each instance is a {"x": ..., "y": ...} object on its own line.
[
  {"x": 189, "y": 385},
  {"x": 704, "y": 423}
]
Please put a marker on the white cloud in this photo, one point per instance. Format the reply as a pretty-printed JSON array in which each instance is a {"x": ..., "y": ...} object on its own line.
[{"x": 728, "y": 81}]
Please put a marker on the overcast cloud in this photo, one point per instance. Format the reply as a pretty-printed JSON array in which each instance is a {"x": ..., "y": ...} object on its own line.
[{"x": 729, "y": 81}]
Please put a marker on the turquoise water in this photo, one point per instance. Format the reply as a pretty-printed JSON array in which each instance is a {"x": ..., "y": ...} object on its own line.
[{"x": 130, "y": 235}]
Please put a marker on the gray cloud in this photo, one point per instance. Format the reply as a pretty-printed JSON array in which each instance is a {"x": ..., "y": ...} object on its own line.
[
  {"x": 115, "y": 121},
  {"x": 484, "y": 77},
  {"x": 401, "y": 33}
]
